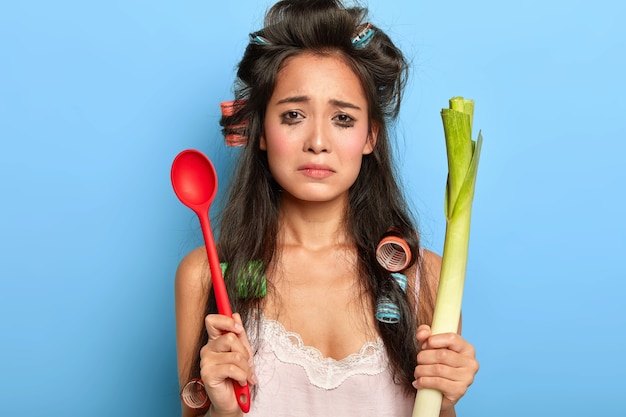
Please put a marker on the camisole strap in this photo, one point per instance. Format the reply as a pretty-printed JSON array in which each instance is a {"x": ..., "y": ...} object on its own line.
[{"x": 416, "y": 284}]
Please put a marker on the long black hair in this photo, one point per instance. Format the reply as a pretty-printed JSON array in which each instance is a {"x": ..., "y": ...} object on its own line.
[{"x": 250, "y": 216}]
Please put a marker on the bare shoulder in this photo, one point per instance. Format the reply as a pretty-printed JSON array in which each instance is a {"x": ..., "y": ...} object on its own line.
[
  {"x": 431, "y": 267},
  {"x": 427, "y": 271},
  {"x": 430, "y": 270},
  {"x": 192, "y": 271}
]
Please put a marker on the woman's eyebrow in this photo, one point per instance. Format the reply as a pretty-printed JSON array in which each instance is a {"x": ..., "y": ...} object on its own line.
[
  {"x": 303, "y": 99},
  {"x": 295, "y": 99},
  {"x": 340, "y": 103}
]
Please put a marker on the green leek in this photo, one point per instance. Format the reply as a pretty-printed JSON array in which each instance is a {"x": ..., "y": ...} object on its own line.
[{"x": 463, "y": 155}]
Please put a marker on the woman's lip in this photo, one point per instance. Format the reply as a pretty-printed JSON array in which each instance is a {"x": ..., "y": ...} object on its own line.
[{"x": 316, "y": 171}]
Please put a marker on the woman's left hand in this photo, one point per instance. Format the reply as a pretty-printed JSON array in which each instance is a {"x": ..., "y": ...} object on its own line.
[{"x": 445, "y": 362}]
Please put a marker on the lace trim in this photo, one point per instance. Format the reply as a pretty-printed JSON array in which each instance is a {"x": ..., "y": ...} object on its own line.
[{"x": 325, "y": 373}]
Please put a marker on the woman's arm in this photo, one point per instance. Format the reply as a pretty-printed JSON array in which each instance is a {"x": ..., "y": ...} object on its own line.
[
  {"x": 226, "y": 358},
  {"x": 191, "y": 290}
]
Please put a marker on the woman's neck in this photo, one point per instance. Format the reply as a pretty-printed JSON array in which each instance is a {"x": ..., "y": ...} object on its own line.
[{"x": 314, "y": 225}]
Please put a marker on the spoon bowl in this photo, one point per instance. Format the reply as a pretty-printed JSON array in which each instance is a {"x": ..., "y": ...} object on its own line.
[{"x": 194, "y": 179}]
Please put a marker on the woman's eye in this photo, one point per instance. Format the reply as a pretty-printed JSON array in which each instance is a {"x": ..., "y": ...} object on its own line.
[
  {"x": 291, "y": 117},
  {"x": 344, "y": 120}
]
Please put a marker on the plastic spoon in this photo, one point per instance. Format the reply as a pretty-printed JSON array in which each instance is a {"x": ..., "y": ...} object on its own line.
[{"x": 195, "y": 183}]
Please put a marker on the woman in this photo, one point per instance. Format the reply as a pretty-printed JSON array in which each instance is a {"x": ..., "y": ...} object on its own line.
[{"x": 313, "y": 194}]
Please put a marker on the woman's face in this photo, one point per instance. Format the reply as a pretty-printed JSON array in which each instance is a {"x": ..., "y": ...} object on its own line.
[{"x": 316, "y": 128}]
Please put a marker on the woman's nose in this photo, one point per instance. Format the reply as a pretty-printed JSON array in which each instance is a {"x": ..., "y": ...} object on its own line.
[{"x": 317, "y": 140}]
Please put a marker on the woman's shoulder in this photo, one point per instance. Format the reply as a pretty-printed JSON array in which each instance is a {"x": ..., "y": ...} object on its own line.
[
  {"x": 426, "y": 268},
  {"x": 423, "y": 279},
  {"x": 431, "y": 265},
  {"x": 192, "y": 272}
]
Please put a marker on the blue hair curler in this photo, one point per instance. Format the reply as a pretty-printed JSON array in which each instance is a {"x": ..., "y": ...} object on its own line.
[
  {"x": 258, "y": 40},
  {"x": 386, "y": 310},
  {"x": 363, "y": 38}
]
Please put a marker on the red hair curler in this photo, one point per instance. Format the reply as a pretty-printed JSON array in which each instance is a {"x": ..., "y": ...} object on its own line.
[
  {"x": 235, "y": 134},
  {"x": 194, "y": 395},
  {"x": 392, "y": 252}
]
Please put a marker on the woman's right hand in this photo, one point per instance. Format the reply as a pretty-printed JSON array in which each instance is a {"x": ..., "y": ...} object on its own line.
[{"x": 225, "y": 360}]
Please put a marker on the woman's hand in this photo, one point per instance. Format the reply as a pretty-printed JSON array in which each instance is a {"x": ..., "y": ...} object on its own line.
[
  {"x": 225, "y": 360},
  {"x": 446, "y": 362}
]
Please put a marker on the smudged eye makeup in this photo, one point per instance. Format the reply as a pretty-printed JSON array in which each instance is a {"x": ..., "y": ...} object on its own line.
[
  {"x": 292, "y": 117},
  {"x": 344, "y": 120}
]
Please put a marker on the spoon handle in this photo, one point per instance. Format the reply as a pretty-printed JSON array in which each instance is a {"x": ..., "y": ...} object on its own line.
[
  {"x": 219, "y": 287},
  {"x": 242, "y": 393}
]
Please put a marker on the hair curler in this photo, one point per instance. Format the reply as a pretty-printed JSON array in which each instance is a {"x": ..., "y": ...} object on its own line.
[
  {"x": 393, "y": 253},
  {"x": 194, "y": 395}
]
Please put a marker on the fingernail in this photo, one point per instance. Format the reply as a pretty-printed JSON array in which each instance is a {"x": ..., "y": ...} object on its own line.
[
  {"x": 425, "y": 345},
  {"x": 238, "y": 327},
  {"x": 254, "y": 379}
]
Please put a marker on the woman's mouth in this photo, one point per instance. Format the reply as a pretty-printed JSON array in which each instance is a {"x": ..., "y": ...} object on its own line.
[{"x": 316, "y": 171}]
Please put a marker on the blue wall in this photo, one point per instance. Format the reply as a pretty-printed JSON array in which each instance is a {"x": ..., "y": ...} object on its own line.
[{"x": 96, "y": 99}]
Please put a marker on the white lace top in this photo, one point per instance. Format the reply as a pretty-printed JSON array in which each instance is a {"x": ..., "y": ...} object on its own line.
[{"x": 297, "y": 381}]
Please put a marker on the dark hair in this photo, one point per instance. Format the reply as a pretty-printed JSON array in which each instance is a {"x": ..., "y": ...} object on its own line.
[{"x": 249, "y": 220}]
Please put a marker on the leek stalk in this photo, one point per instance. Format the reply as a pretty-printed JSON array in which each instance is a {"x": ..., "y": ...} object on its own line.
[{"x": 463, "y": 155}]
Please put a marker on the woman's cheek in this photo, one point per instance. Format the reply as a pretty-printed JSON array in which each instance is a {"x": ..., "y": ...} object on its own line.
[{"x": 277, "y": 140}]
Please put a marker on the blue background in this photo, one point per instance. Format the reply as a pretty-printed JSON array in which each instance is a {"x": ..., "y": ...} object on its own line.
[{"x": 96, "y": 99}]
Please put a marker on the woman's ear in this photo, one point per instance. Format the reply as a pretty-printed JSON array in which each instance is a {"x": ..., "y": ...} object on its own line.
[
  {"x": 371, "y": 140},
  {"x": 262, "y": 142}
]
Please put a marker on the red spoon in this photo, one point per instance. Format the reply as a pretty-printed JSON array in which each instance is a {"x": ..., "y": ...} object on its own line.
[{"x": 195, "y": 183}]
